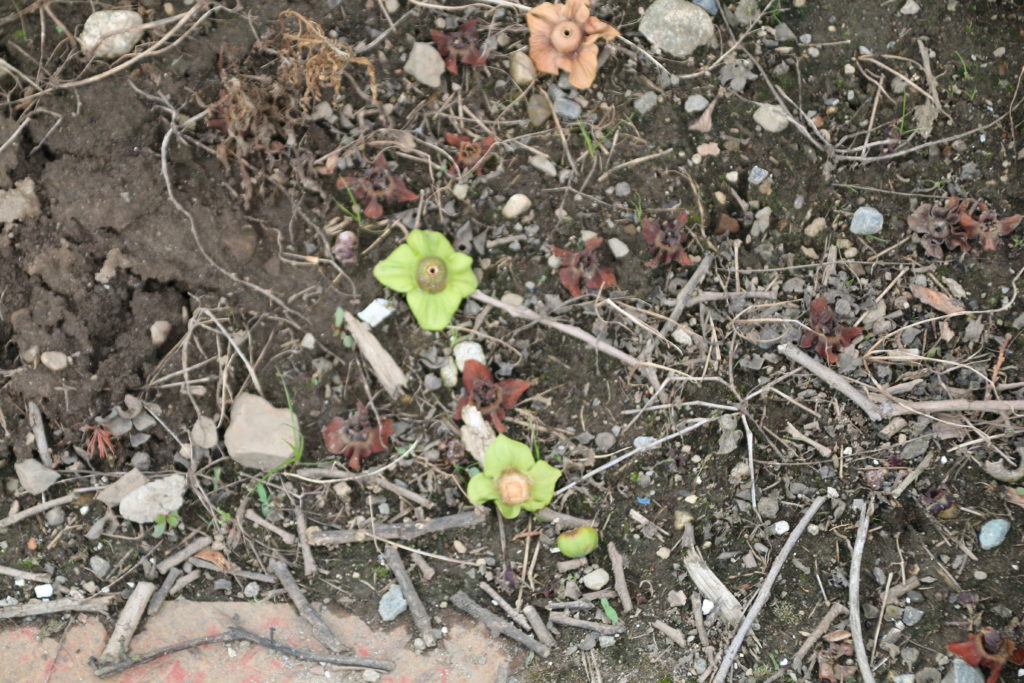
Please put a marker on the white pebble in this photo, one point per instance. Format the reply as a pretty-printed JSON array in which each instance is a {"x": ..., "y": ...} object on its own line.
[
  {"x": 110, "y": 33},
  {"x": 159, "y": 331},
  {"x": 516, "y": 206},
  {"x": 780, "y": 528},
  {"x": 618, "y": 248},
  {"x": 54, "y": 360},
  {"x": 596, "y": 579},
  {"x": 544, "y": 164},
  {"x": 468, "y": 350},
  {"x": 44, "y": 590},
  {"x": 376, "y": 312},
  {"x": 706, "y": 606}
]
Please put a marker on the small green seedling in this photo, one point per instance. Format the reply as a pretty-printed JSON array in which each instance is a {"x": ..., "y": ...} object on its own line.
[
  {"x": 161, "y": 523},
  {"x": 609, "y": 611},
  {"x": 339, "y": 328}
]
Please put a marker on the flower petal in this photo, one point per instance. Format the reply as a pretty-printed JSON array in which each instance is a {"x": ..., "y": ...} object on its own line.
[
  {"x": 481, "y": 489},
  {"x": 511, "y": 390},
  {"x": 542, "y": 18},
  {"x": 543, "y": 477},
  {"x": 579, "y": 10},
  {"x": 433, "y": 312},
  {"x": 543, "y": 54},
  {"x": 600, "y": 29},
  {"x": 398, "y": 270},
  {"x": 507, "y": 511},
  {"x": 475, "y": 373},
  {"x": 418, "y": 242},
  {"x": 505, "y": 453},
  {"x": 461, "y": 279},
  {"x": 584, "y": 68}
]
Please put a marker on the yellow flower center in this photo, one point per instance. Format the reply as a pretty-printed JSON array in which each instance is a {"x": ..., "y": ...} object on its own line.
[
  {"x": 431, "y": 274},
  {"x": 566, "y": 37},
  {"x": 514, "y": 487}
]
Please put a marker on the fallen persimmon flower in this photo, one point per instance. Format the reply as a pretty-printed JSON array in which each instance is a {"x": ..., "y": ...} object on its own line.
[
  {"x": 580, "y": 268},
  {"x": 828, "y": 336},
  {"x": 987, "y": 226},
  {"x": 471, "y": 152},
  {"x": 357, "y": 437},
  {"x": 377, "y": 186},
  {"x": 988, "y": 648},
  {"x": 667, "y": 240},
  {"x": 563, "y": 37},
  {"x": 491, "y": 398},
  {"x": 461, "y": 46}
]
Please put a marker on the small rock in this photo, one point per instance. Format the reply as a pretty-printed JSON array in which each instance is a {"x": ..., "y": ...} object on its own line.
[
  {"x": 537, "y": 109},
  {"x": 618, "y": 248},
  {"x": 460, "y": 191},
  {"x": 771, "y": 117},
  {"x": 711, "y": 7},
  {"x": 867, "y": 220},
  {"x": 784, "y": 34},
  {"x": 223, "y": 585},
  {"x": 113, "y": 494},
  {"x": 159, "y": 332},
  {"x": 565, "y": 108},
  {"x": 376, "y": 312},
  {"x": 815, "y": 227},
  {"x": 910, "y": 7},
  {"x": 512, "y": 299},
  {"x": 44, "y": 591},
  {"x": 780, "y": 528},
  {"x": 54, "y": 360},
  {"x": 425, "y": 64},
  {"x": 159, "y": 497},
  {"x": 596, "y": 579},
  {"x": 965, "y": 673},
  {"x": 20, "y": 202},
  {"x": 108, "y": 34},
  {"x": 34, "y": 476},
  {"x": 757, "y": 175},
  {"x": 768, "y": 506},
  {"x": 622, "y": 189},
  {"x": 708, "y": 149},
  {"x": 251, "y": 590},
  {"x": 544, "y": 164},
  {"x": 605, "y": 641},
  {"x": 521, "y": 69},
  {"x": 392, "y": 603},
  {"x": 260, "y": 435},
  {"x": 646, "y": 102},
  {"x": 468, "y": 350},
  {"x": 516, "y": 206},
  {"x": 695, "y": 103},
  {"x": 604, "y": 441},
  {"x": 370, "y": 675},
  {"x": 912, "y": 616},
  {"x": 204, "y": 432},
  {"x": 54, "y": 517},
  {"x": 141, "y": 461},
  {"x": 993, "y": 533},
  {"x": 99, "y": 566},
  {"x": 677, "y": 27}
]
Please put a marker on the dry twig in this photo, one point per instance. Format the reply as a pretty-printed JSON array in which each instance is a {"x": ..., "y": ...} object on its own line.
[
  {"x": 498, "y": 625},
  {"x": 419, "y": 613},
  {"x": 321, "y": 631}
]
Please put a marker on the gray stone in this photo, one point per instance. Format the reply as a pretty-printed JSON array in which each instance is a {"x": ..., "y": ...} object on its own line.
[
  {"x": 54, "y": 360},
  {"x": 223, "y": 585},
  {"x": 695, "y": 103},
  {"x": 757, "y": 175},
  {"x": 605, "y": 641},
  {"x": 867, "y": 220},
  {"x": 771, "y": 117},
  {"x": 425, "y": 64},
  {"x": 54, "y": 517},
  {"x": 912, "y": 616},
  {"x": 710, "y": 6},
  {"x": 159, "y": 497},
  {"x": 392, "y": 603},
  {"x": 99, "y": 566},
  {"x": 110, "y": 33},
  {"x": 251, "y": 590},
  {"x": 565, "y": 108},
  {"x": 962, "y": 672},
  {"x": 537, "y": 109},
  {"x": 646, "y": 102},
  {"x": 204, "y": 432},
  {"x": 676, "y": 26},
  {"x": 910, "y": 7},
  {"x": 993, "y": 533},
  {"x": 260, "y": 436},
  {"x": 604, "y": 441},
  {"x": 747, "y": 12},
  {"x": 784, "y": 34},
  {"x": 622, "y": 189},
  {"x": 596, "y": 579},
  {"x": 35, "y": 477},
  {"x": 768, "y": 506},
  {"x": 521, "y": 69},
  {"x": 115, "y": 493}
]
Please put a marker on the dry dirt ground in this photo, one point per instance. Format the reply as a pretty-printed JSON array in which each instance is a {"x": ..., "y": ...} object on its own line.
[{"x": 191, "y": 182}]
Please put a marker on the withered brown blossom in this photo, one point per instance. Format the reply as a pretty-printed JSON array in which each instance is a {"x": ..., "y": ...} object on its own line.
[
  {"x": 470, "y": 151},
  {"x": 461, "y": 46},
  {"x": 581, "y": 268},
  {"x": 376, "y": 187},
  {"x": 828, "y": 336},
  {"x": 667, "y": 240},
  {"x": 987, "y": 226},
  {"x": 990, "y": 648},
  {"x": 939, "y": 225},
  {"x": 491, "y": 398},
  {"x": 357, "y": 437}
]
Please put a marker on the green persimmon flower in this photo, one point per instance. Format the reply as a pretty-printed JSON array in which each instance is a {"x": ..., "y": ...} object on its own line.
[
  {"x": 513, "y": 479},
  {"x": 433, "y": 276}
]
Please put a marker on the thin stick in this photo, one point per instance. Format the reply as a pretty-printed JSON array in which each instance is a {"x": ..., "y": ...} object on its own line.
[
  {"x": 35, "y": 419},
  {"x": 673, "y": 634},
  {"x": 321, "y": 631},
  {"x": 419, "y": 613},
  {"x": 855, "y": 562},
  {"x": 620, "y": 578},
  {"x": 401, "y": 492},
  {"x": 561, "y": 519},
  {"x": 498, "y": 625},
  {"x": 563, "y": 619},
  {"x": 405, "y": 532},
  {"x": 128, "y": 621},
  {"x": 765, "y": 591},
  {"x": 235, "y": 634},
  {"x": 823, "y": 626},
  {"x": 32, "y": 609},
  {"x": 521, "y": 621},
  {"x": 254, "y": 517},
  {"x": 35, "y": 577},
  {"x": 36, "y": 509},
  {"x": 543, "y": 634},
  {"x": 161, "y": 594},
  {"x": 188, "y": 551},
  {"x": 308, "y": 561},
  {"x": 832, "y": 378}
]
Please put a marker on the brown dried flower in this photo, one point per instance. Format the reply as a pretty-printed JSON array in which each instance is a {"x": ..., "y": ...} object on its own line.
[
  {"x": 357, "y": 437},
  {"x": 491, "y": 398},
  {"x": 460, "y": 46},
  {"x": 939, "y": 225},
  {"x": 987, "y": 226},
  {"x": 471, "y": 151},
  {"x": 376, "y": 187},
  {"x": 667, "y": 240},
  {"x": 564, "y": 38},
  {"x": 581, "y": 268},
  {"x": 829, "y": 336}
]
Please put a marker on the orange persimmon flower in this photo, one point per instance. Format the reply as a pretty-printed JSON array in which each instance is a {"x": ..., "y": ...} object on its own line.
[{"x": 564, "y": 38}]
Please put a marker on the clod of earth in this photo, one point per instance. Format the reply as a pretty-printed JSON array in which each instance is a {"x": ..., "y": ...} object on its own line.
[
  {"x": 564, "y": 38},
  {"x": 491, "y": 398}
]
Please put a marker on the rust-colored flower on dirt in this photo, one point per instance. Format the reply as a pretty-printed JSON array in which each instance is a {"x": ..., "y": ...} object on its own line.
[
  {"x": 580, "y": 268},
  {"x": 667, "y": 240},
  {"x": 491, "y": 398},
  {"x": 470, "y": 151},
  {"x": 377, "y": 186},
  {"x": 989, "y": 648},
  {"x": 987, "y": 226},
  {"x": 564, "y": 38},
  {"x": 357, "y": 437},
  {"x": 939, "y": 225},
  {"x": 828, "y": 336},
  {"x": 461, "y": 46}
]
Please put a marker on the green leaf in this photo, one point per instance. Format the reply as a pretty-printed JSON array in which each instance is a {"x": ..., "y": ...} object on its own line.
[
  {"x": 609, "y": 611},
  {"x": 264, "y": 496}
]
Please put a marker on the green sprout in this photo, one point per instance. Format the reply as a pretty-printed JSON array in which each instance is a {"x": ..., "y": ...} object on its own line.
[
  {"x": 434, "y": 277},
  {"x": 578, "y": 542},
  {"x": 161, "y": 523},
  {"x": 513, "y": 479}
]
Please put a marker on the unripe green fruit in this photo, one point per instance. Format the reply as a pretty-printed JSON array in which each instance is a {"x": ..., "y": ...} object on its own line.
[{"x": 578, "y": 542}]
